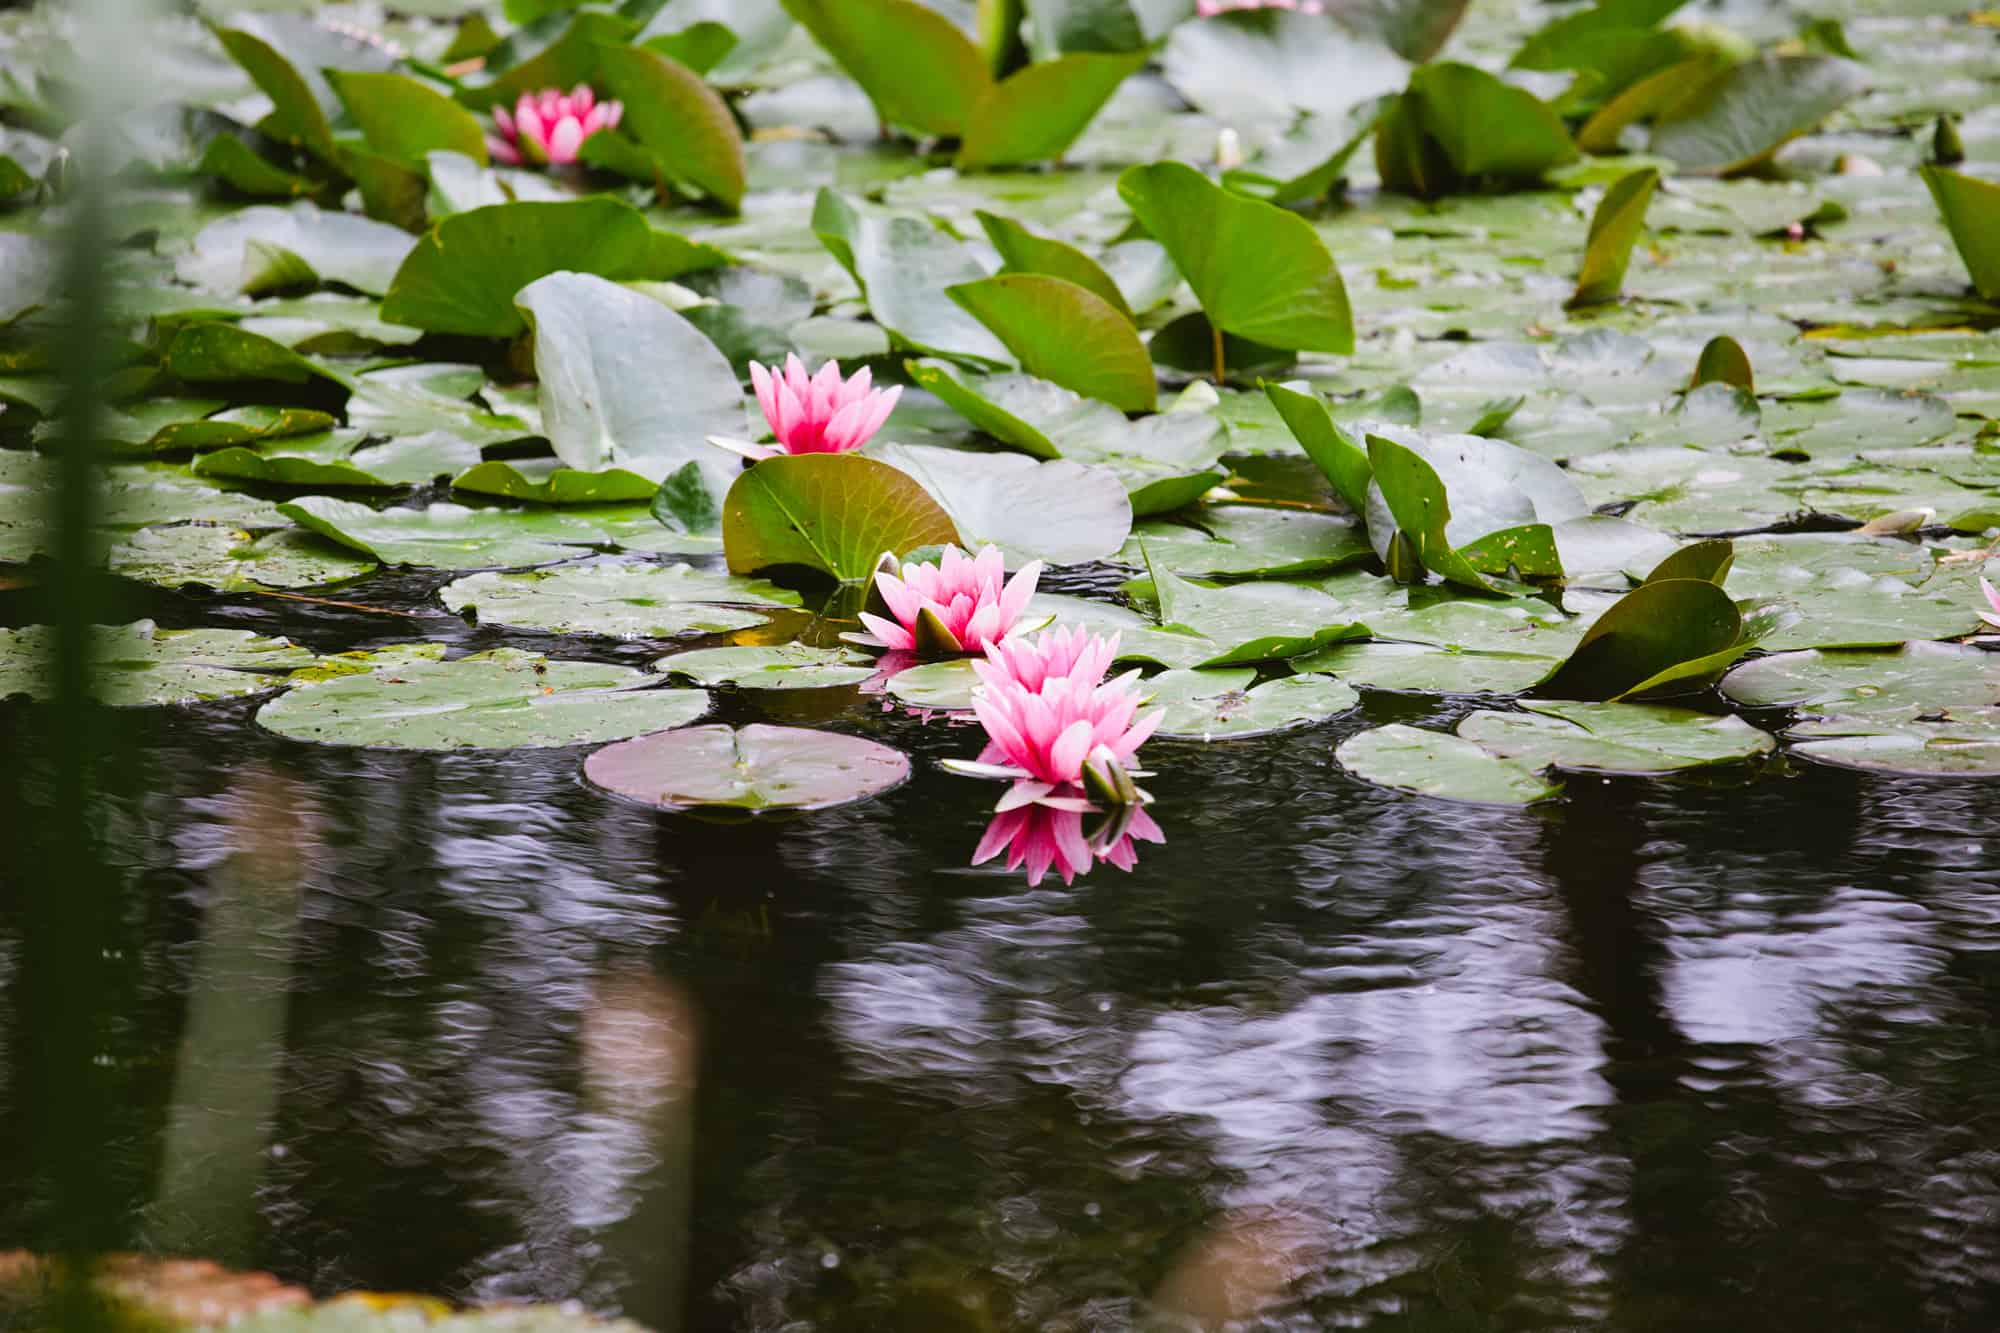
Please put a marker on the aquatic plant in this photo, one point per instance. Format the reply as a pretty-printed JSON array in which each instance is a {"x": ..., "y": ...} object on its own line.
[
  {"x": 1051, "y": 718},
  {"x": 960, "y": 604},
  {"x": 820, "y": 413},
  {"x": 1044, "y": 836},
  {"x": 1993, "y": 598},
  {"x": 550, "y": 126}
]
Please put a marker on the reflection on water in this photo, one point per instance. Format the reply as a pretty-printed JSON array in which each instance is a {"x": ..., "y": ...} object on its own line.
[
  {"x": 1664, "y": 1056},
  {"x": 1049, "y": 834}
]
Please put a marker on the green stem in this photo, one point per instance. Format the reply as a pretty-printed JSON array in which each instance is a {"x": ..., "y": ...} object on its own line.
[{"x": 1220, "y": 368}]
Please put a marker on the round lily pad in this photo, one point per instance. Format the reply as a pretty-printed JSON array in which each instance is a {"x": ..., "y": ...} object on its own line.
[
  {"x": 496, "y": 700},
  {"x": 753, "y": 768},
  {"x": 784, "y": 666},
  {"x": 1615, "y": 737},
  {"x": 229, "y": 559},
  {"x": 1432, "y": 763},
  {"x": 142, "y": 665},
  {"x": 1928, "y": 708},
  {"x": 624, "y": 601},
  {"x": 1416, "y": 668},
  {"x": 945, "y": 685},
  {"x": 1224, "y": 705}
]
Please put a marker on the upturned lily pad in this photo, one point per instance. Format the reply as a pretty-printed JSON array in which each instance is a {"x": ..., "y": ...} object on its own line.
[
  {"x": 550, "y": 481},
  {"x": 340, "y": 458},
  {"x": 447, "y": 536},
  {"x": 1926, "y": 708},
  {"x": 1665, "y": 635},
  {"x": 141, "y": 665},
  {"x": 625, "y": 601},
  {"x": 1066, "y": 334},
  {"x": 1431, "y": 763},
  {"x": 785, "y": 666},
  {"x": 1060, "y": 511},
  {"x": 229, "y": 560},
  {"x": 1615, "y": 737},
  {"x": 266, "y": 248},
  {"x": 837, "y": 513},
  {"x": 1747, "y": 111},
  {"x": 503, "y": 699},
  {"x": 751, "y": 769},
  {"x": 1222, "y": 704}
]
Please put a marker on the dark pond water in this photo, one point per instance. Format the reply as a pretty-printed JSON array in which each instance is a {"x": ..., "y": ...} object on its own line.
[{"x": 1661, "y": 1055}]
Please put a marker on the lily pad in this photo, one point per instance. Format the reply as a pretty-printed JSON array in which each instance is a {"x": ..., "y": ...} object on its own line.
[
  {"x": 1223, "y": 704},
  {"x": 229, "y": 560},
  {"x": 785, "y": 666},
  {"x": 503, "y": 699},
  {"x": 1247, "y": 541},
  {"x": 447, "y": 536},
  {"x": 903, "y": 266},
  {"x": 1746, "y": 112},
  {"x": 550, "y": 481},
  {"x": 142, "y": 665},
  {"x": 837, "y": 513},
  {"x": 1857, "y": 592},
  {"x": 1066, "y": 334},
  {"x": 264, "y": 248},
  {"x": 750, "y": 769},
  {"x": 1060, "y": 511},
  {"x": 1615, "y": 737},
  {"x": 1253, "y": 622},
  {"x": 624, "y": 601},
  {"x": 944, "y": 686},
  {"x": 339, "y": 458},
  {"x": 1417, "y": 668},
  {"x": 1431, "y": 763}
]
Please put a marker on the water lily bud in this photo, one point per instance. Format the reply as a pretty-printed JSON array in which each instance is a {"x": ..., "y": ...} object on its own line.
[
  {"x": 1853, "y": 164},
  {"x": 1228, "y": 150}
]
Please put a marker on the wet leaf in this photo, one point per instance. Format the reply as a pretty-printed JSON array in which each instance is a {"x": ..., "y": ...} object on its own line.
[
  {"x": 621, "y": 601},
  {"x": 1253, "y": 622},
  {"x": 1038, "y": 111},
  {"x": 751, "y": 769},
  {"x": 903, "y": 266},
  {"x": 1247, "y": 541},
  {"x": 1614, "y": 737},
  {"x": 787, "y": 666},
  {"x": 1431, "y": 763},
  {"x": 340, "y": 458},
  {"x": 447, "y": 536},
  {"x": 230, "y": 560},
  {"x": 1023, "y": 251},
  {"x": 1059, "y": 511},
  {"x": 142, "y": 665},
  {"x": 266, "y": 247},
  {"x": 1222, "y": 704},
  {"x": 503, "y": 699},
  {"x": 404, "y": 118}
]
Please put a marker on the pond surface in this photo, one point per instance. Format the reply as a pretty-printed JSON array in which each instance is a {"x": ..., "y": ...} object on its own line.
[{"x": 1664, "y": 1054}]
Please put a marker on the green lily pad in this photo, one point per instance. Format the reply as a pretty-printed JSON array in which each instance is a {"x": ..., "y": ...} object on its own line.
[
  {"x": 1065, "y": 334},
  {"x": 1668, "y": 634},
  {"x": 1615, "y": 737},
  {"x": 1023, "y": 251},
  {"x": 903, "y": 266},
  {"x": 340, "y": 458},
  {"x": 428, "y": 397},
  {"x": 447, "y": 536},
  {"x": 405, "y": 119},
  {"x": 1060, "y": 511},
  {"x": 1039, "y": 110},
  {"x": 917, "y": 67},
  {"x": 837, "y": 513},
  {"x": 1431, "y": 763},
  {"x": 679, "y": 122},
  {"x": 550, "y": 481},
  {"x": 1614, "y": 227},
  {"x": 267, "y": 247},
  {"x": 624, "y": 601},
  {"x": 1926, "y": 708},
  {"x": 1260, "y": 272},
  {"x": 944, "y": 686},
  {"x": 784, "y": 666},
  {"x": 1418, "y": 668},
  {"x": 750, "y": 769},
  {"x": 1971, "y": 209},
  {"x": 1253, "y": 622},
  {"x": 141, "y": 665},
  {"x": 1247, "y": 541},
  {"x": 1858, "y": 592},
  {"x": 1746, "y": 112},
  {"x": 503, "y": 699},
  {"x": 1267, "y": 67},
  {"x": 1223, "y": 704},
  {"x": 229, "y": 560}
]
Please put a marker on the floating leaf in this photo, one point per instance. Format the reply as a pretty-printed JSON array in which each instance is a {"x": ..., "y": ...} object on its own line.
[
  {"x": 1065, "y": 334},
  {"x": 1857, "y": 592},
  {"x": 339, "y": 458},
  {"x": 142, "y": 665},
  {"x": 1259, "y": 272},
  {"x": 1614, "y": 737},
  {"x": 447, "y": 536},
  {"x": 751, "y": 769},
  {"x": 836, "y": 513},
  {"x": 1059, "y": 511},
  {"x": 1417, "y": 668},
  {"x": 1247, "y": 541},
  {"x": 903, "y": 265},
  {"x": 1224, "y": 705},
  {"x": 1431, "y": 763},
  {"x": 229, "y": 560},
  {"x": 1038, "y": 111},
  {"x": 550, "y": 481},
  {"x": 944, "y": 686},
  {"x": 1253, "y": 622},
  {"x": 1665, "y": 635},
  {"x": 503, "y": 699},
  {"x": 621, "y": 601},
  {"x": 1270, "y": 67},
  {"x": 785, "y": 666},
  {"x": 1614, "y": 226},
  {"x": 266, "y": 247}
]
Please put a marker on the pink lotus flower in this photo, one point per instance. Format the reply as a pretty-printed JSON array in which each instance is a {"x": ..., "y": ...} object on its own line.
[
  {"x": 550, "y": 126},
  {"x": 958, "y": 605},
  {"x": 1069, "y": 719},
  {"x": 1045, "y": 836},
  {"x": 1993, "y": 596},
  {"x": 1210, "y": 8},
  {"x": 820, "y": 414}
]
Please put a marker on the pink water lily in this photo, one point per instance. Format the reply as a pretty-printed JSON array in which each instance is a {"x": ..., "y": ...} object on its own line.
[
  {"x": 1993, "y": 598},
  {"x": 820, "y": 413},
  {"x": 550, "y": 126},
  {"x": 1042, "y": 836},
  {"x": 959, "y": 605},
  {"x": 1068, "y": 720},
  {"x": 1210, "y": 8}
]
